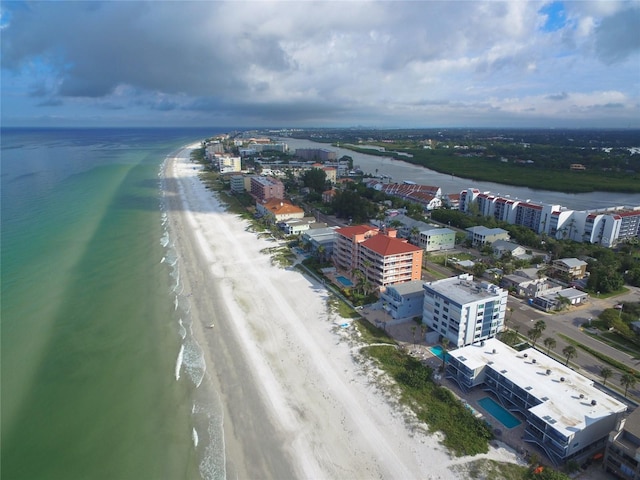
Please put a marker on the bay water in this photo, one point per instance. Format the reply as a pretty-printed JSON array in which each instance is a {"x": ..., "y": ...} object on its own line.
[{"x": 101, "y": 378}]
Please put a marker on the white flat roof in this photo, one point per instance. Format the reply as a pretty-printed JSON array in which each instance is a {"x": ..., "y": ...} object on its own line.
[
  {"x": 462, "y": 291},
  {"x": 570, "y": 402}
]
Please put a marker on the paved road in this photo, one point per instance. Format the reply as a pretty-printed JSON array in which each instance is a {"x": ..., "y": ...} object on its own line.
[{"x": 569, "y": 324}]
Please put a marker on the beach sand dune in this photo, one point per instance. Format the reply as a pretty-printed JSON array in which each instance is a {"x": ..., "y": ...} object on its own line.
[{"x": 296, "y": 404}]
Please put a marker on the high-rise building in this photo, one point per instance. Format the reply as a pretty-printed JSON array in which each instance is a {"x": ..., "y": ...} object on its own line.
[{"x": 464, "y": 311}]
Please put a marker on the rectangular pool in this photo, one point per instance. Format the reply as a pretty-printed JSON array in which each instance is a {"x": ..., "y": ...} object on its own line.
[
  {"x": 344, "y": 281},
  {"x": 498, "y": 412},
  {"x": 438, "y": 351}
]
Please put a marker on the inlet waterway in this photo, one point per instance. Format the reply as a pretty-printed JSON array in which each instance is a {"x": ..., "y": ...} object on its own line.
[{"x": 400, "y": 171}]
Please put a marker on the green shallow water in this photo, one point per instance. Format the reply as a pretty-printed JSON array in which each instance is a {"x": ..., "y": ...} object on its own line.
[{"x": 89, "y": 332}]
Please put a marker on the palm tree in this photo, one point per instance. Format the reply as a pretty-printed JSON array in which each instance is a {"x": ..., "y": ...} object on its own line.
[
  {"x": 569, "y": 352},
  {"x": 550, "y": 343},
  {"x": 540, "y": 325},
  {"x": 605, "y": 372},
  {"x": 627, "y": 380},
  {"x": 534, "y": 334},
  {"x": 445, "y": 345}
]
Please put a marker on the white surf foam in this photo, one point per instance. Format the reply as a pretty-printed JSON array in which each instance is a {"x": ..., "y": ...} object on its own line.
[{"x": 179, "y": 362}]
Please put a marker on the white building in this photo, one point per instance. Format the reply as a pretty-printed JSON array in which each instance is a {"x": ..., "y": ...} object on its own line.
[
  {"x": 565, "y": 414},
  {"x": 228, "y": 164},
  {"x": 464, "y": 311},
  {"x": 435, "y": 239}
]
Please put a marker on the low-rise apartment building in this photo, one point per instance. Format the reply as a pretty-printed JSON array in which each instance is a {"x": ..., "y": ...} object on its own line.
[
  {"x": 480, "y": 235},
  {"x": 403, "y": 300},
  {"x": 464, "y": 311},
  {"x": 566, "y": 416},
  {"x": 436, "y": 239},
  {"x": 275, "y": 210}
]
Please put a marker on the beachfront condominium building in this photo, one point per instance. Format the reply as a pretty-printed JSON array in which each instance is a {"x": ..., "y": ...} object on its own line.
[
  {"x": 566, "y": 416},
  {"x": 263, "y": 188},
  {"x": 463, "y": 310},
  {"x": 380, "y": 256},
  {"x": 622, "y": 456},
  {"x": 275, "y": 210},
  {"x": 403, "y": 300},
  {"x": 228, "y": 164}
]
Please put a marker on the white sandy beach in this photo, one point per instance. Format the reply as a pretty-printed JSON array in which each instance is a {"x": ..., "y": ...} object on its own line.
[{"x": 296, "y": 403}]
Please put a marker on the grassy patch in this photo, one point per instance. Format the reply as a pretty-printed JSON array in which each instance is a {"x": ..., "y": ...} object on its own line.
[
  {"x": 372, "y": 334},
  {"x": 434, "y": 405},
  {"x": 487, "y": 469}
]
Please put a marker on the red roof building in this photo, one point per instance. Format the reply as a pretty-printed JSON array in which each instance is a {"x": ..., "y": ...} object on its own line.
[{"x": 383, "y": 258}]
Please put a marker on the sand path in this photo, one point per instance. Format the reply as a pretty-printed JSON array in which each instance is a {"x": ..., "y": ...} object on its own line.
[{"x": 296, "y": 405}]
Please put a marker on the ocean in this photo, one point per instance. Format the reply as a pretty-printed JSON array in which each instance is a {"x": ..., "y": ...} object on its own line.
[{"x": 101, "y": 378}]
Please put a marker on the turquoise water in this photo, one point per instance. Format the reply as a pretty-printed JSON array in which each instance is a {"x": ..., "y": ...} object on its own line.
[
  {"x": 344, "y": 281},
  {"x": 93, "y": 333},
  {"x": 499, "y": 412},
  {"x": 438, "y": 351}
]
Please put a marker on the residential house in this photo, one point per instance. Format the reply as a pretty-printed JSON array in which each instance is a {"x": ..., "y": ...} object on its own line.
[
  {"x": 565, "y": 415},
  {"x": 570, "y": 268},
  {"x": 553, "y": 300},
  {"x": 503, "y": 247},
  {"x": 296, "y": 226}
]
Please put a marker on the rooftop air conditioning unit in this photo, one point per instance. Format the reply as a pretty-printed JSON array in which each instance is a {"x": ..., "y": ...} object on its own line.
[
  {"x": 593, "y": 402},
  {"x": 533, "y": 360},
  {"x": 562, "y": 379},
  {"x": 548, "y": 372}
]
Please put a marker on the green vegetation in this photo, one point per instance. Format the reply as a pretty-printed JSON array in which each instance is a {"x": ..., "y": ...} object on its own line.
[
  {"x": 485, "y": 469},
  {"x": 535, "y": 159},
  {"x": 600, "y": 356},
  {"x": 435, "y": 405}
]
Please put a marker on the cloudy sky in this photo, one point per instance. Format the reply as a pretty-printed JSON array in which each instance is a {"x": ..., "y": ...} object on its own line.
[{"x": 378, "y": 64}]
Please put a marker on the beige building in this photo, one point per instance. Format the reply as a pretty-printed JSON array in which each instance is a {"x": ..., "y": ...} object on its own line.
[{"x": 276, "y": 210}]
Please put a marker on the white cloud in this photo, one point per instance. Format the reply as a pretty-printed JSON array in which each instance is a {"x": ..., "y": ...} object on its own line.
[{"x": 393, "y": 61}]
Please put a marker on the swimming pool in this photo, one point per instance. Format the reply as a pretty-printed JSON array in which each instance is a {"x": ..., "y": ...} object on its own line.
[
  {"x": 438, "y": 351},
  {"x": 344, "y": 281},
  {"x": 498, "y": 412}
]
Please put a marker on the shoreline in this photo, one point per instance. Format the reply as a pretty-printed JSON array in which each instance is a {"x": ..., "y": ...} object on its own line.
[{"x": 295, "y": 402}]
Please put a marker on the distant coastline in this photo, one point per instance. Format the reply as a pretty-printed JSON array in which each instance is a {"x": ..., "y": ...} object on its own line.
[{"x": 478, "y": 169}]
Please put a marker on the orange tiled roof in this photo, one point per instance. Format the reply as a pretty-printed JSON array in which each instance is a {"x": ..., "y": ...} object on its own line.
[
  {"x": 387, "y": 246},
  {"x": 279, "y": 207},
  {"x": 353, "y": 230}
]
